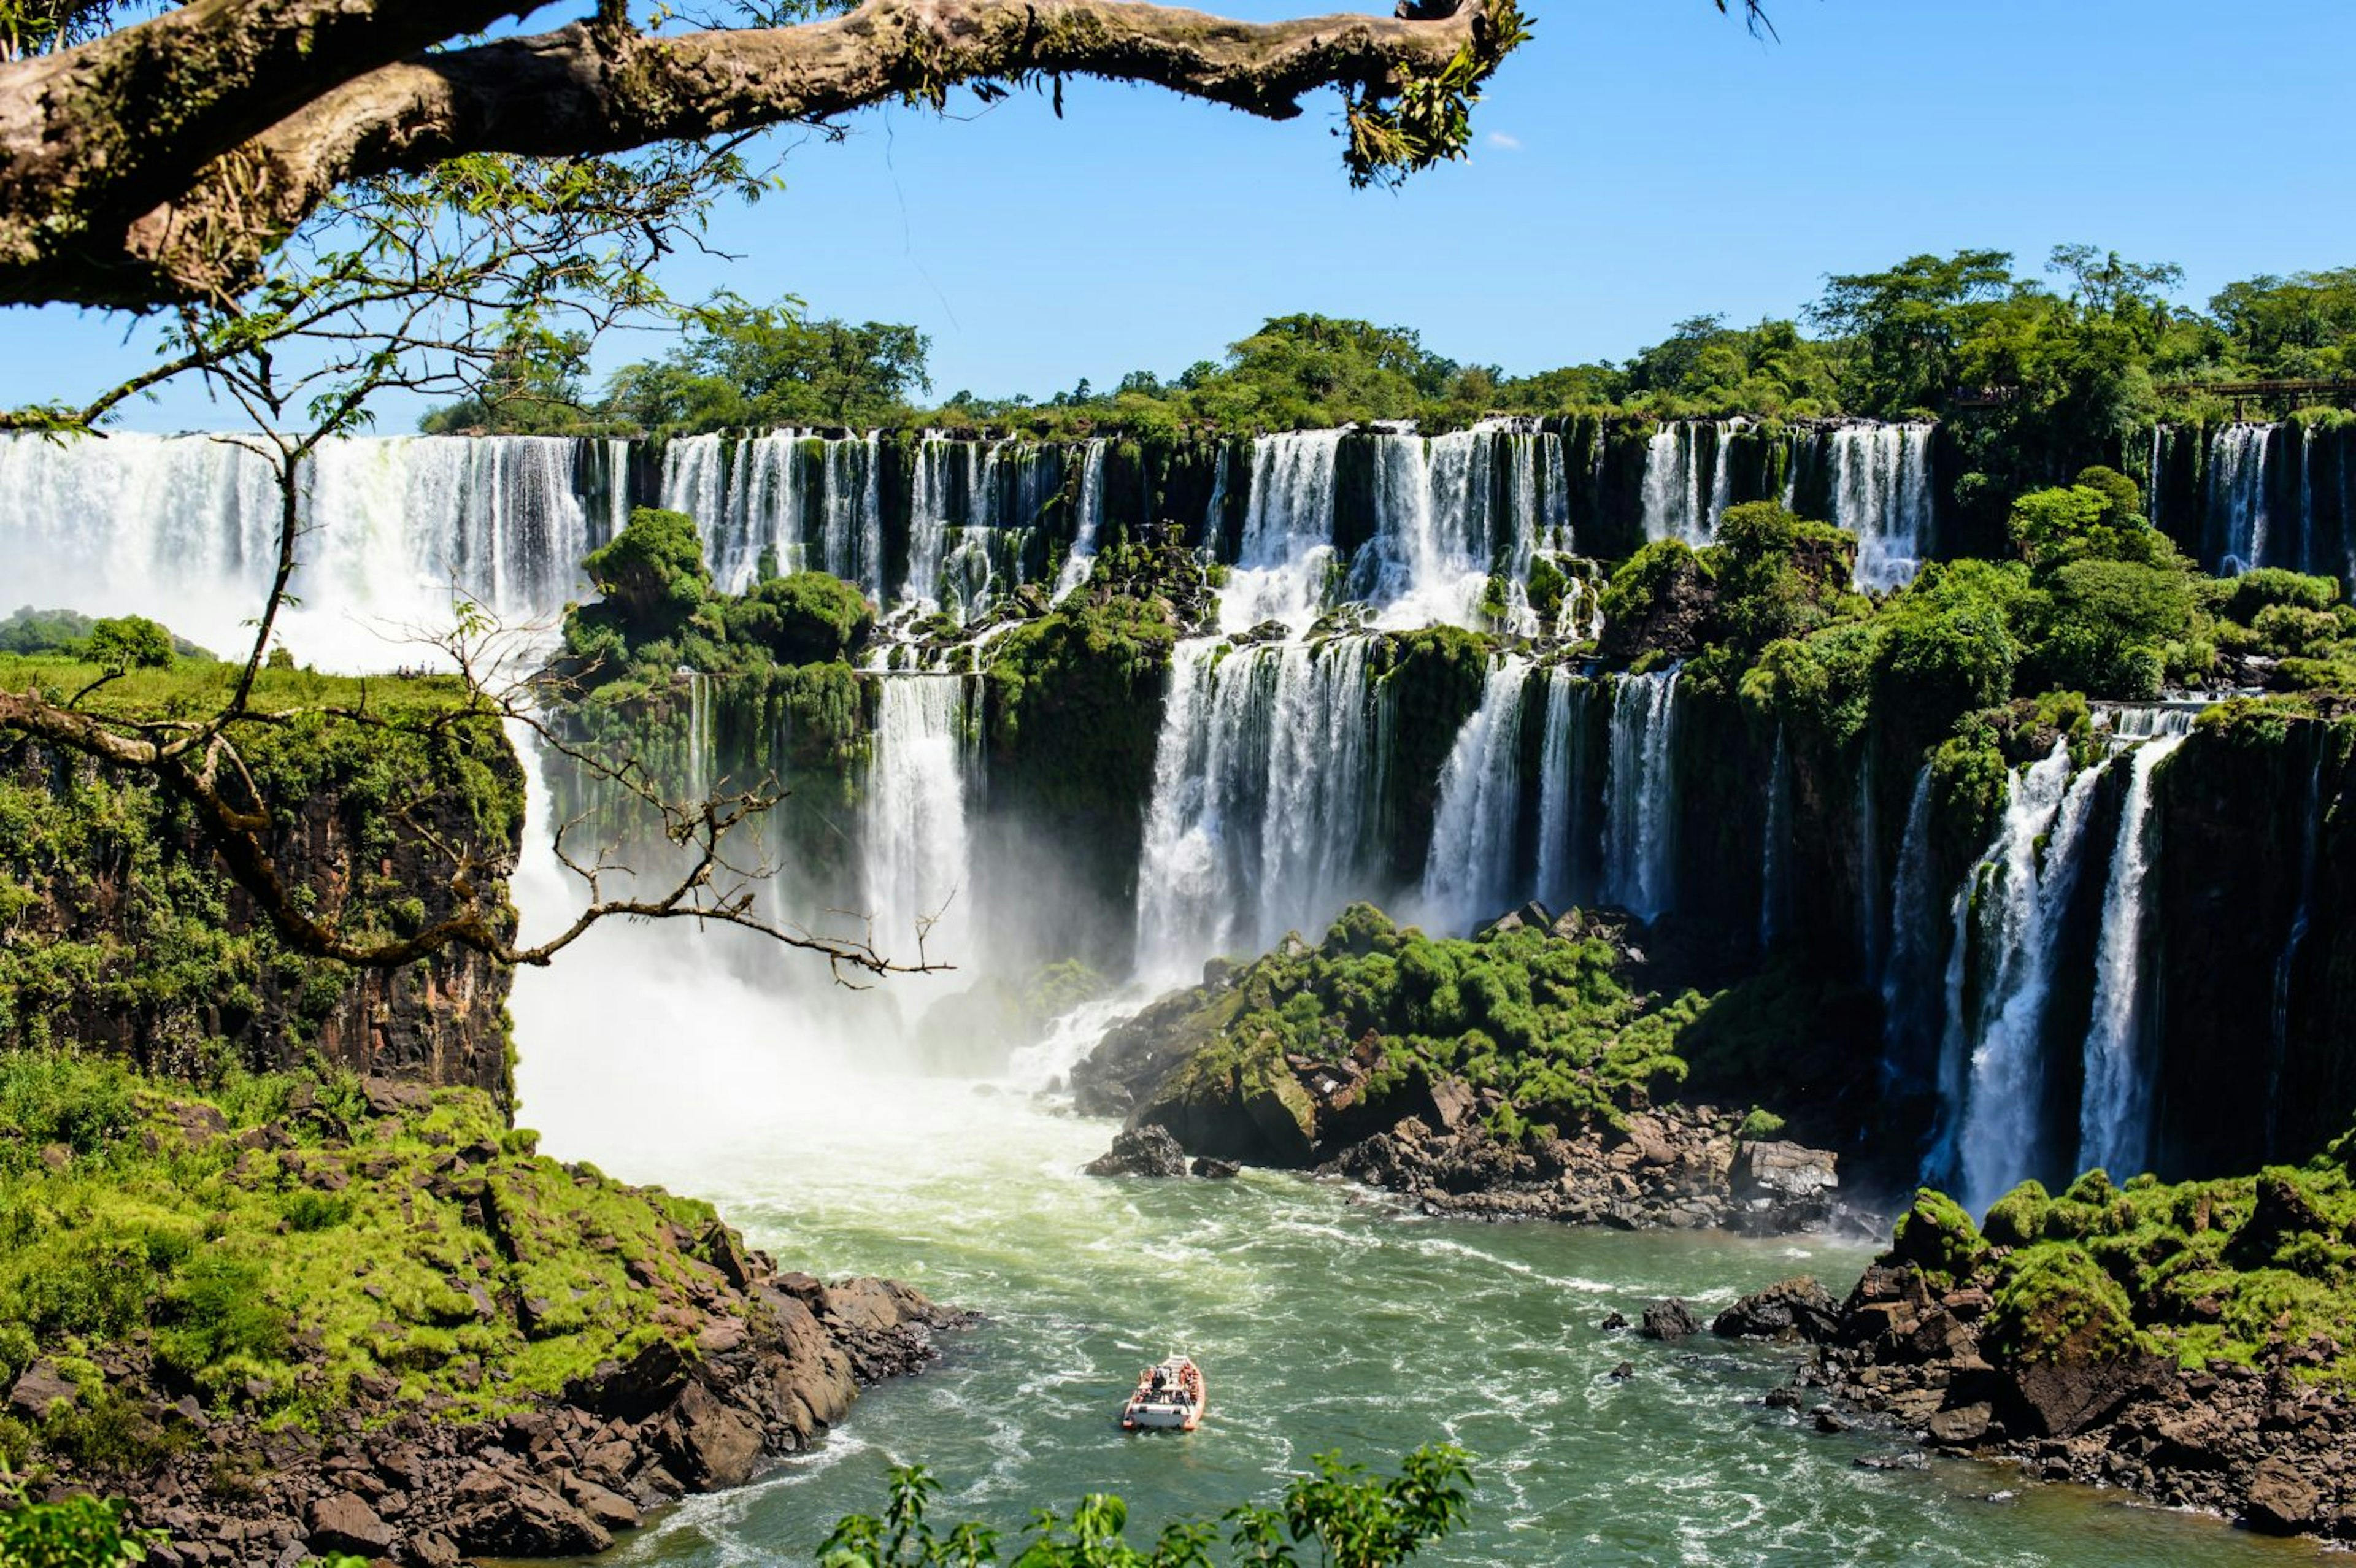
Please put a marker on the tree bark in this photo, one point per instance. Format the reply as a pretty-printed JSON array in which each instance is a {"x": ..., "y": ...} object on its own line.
[{"x": 163, "y": 162}]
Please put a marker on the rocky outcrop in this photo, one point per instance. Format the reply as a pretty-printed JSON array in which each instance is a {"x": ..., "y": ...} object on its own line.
[
  {"x": 1670, "y": 1168},
  {"x": 169, "y": 956},
  {"x": 2057, "y": 1385},
  {"x": 1797, "y": 1309},
  {"x": 770, "y": 1365},
  {"x": 1141, "y": 1151}
]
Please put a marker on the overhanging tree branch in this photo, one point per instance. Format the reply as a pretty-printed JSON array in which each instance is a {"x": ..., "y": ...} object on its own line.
[{"x": 98, "y": 210}]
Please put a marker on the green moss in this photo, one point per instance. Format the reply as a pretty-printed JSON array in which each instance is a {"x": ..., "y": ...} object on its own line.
[
  {"x": 272, "y": 1273},
  {"x": 1938, "y": 1237},
  {"x": 2018, "y": 1218},
  {"x": 2056, "y": 1301}
]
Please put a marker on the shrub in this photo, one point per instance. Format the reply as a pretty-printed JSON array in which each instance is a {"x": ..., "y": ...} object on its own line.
[
  {"x": 130, "y": 642},
  {"x": 2254, "y": 591},
  {"x": 808, "y": 617}
]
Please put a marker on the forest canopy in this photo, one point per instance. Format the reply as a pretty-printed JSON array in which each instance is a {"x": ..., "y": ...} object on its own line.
[{"x": 2078, "y": 355}]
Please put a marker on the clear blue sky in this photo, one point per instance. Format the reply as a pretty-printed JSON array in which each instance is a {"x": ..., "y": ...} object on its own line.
[{"x": 1639, "y": 162}]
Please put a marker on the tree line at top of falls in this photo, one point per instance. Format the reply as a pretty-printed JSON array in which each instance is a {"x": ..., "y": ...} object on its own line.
[{"x": 2070, "y": 367}]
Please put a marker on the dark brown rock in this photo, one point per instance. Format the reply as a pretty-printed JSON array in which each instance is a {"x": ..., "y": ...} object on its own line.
[
  {"x": 1140, "y": 1151},
  {"x": 1792, "y": 1309},
  {"x": 346, "y": 1523},
  {"x": 1669, "y": 1321}
]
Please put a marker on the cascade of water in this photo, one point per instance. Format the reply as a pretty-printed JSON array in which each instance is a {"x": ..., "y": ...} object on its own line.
[
  {"x": 1721, "y": 472},
  {"x": 1288, "y": 537},
  {"x": 1468, "y": 875},
  {"x": 1090, "y": 518},
  {"x": 184, "y": 529},
  {"x": 1265, "y": 776},
  {"x": 914, "y": 842},
  {"x": 1639, "y": 845},
  {"x": 1995, "y": 1051},
  {"x": 702, "y": 729},
  {"x": 1882, "y": 494},
  {"x": 2286, "y": 966},
  {"x": 2238, "y": 511},
  {"x": 2115, "y": 1106},
  {"x": 1673, "y": 504},
  {"x": 1555, "y": 480},
  {"x": 1562, "y": 789},
  {"x": 931, "y": 496},
  {"x": 1774, "y": 880},
  {"x": 1907, "y": 978}
]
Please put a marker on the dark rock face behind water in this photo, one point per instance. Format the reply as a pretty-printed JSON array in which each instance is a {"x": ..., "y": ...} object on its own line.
[
  {"x": 777, "y": 1359},
  {"x": 440, "y": 1021}
]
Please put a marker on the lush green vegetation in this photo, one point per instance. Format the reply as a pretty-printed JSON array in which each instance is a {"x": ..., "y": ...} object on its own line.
[
  {"x": 133, "y": 914},
  {"x": 2229, "y": 1270},
  {"x": 273, "y": 1247},
  {"x": 1348, "y": 1518},
  {"x": 2042, "y": 372},
  {"x": 1549, "y": 1021}
]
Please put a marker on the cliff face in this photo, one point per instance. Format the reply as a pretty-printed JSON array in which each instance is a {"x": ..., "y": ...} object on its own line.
[{"x": 120, "y": 931}]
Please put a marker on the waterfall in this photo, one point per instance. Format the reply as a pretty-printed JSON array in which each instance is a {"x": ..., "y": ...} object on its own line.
[
  {"x": 1288, "y": 537},
  {"x": 1676, "y": 504},
  {"x": 2238, "y": 510},
  {"x": 1089, "y": 521},
  {"x": 1266, "y": 772},
  {"x": 1993, "y": 1057},
  {"x": 1908, "y": 978},
  {"x": 914, "y": 843},
  {"x": 702, "y": 737},
  {"x": 816, "y": 502},
  {"x": 1639, "y": 847},
  {"x": 931, "y": 499},
  {"x": 2115, "y": 1106},
  {"x": 1774, "y": 880},
  {"x": 1562, "y": 789},
  {"x": 184, "y": 529},
  {"x": 1468, "y": 875},
  {"x": 1881, "y": 492}
]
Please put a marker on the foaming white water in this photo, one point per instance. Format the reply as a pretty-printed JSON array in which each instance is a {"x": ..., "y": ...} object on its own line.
[
  {"x": 1882, "y": 494},
  {"x": 1091, "y": 518},
  {"x": 2239, "y": 509},
  {"x": 2115, "y": 1107},
  {"x": 184, "y": 529},
  {"x": 1994, "y": 1053},
  {"x": 1265, "y": 776},
  {"x": 1468, "y": 874},
  {"x": 815, "y": 502},
  {"x": 1639, "y": 837},
  {"x": 916, "y": 843},
  {"x": 1562, "y": 789},
  {"x": 1288, "y": 536}
]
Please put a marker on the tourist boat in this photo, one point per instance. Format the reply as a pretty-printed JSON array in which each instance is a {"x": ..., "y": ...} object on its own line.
[{"x": 1169, "y": 1397}]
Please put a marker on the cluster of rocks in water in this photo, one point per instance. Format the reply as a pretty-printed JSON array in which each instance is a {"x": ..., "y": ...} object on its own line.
[
  {"x": 1673, "y": 1167},
  {"x": 776, "y": 1359},
  {"x": 1912, "y": 1354}
]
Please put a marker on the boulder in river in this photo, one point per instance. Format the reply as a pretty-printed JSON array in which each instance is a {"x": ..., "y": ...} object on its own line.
[
  {"x": 1792, "y": 1309},
  {"x": 1669, "y": 1321},
  {"x": 1141, "y": 1151}
]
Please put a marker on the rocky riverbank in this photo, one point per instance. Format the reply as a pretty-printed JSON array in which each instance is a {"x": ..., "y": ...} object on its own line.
[
  {"x": 2028, "y": 1349},
  {"x": 362, "y": 1317},
  {"x": 768, "y": 1366}
]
